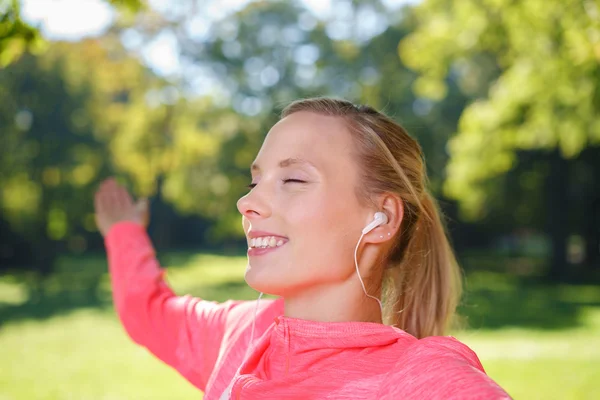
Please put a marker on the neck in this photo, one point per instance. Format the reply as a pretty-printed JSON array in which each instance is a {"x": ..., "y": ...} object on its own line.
[{"x": 340, "y": 302}]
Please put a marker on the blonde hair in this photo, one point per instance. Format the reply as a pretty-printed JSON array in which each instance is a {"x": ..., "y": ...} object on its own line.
[{"x": 421, "y": 280}]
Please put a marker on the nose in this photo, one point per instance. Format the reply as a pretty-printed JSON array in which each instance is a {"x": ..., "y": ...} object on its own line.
[{"x": 254, "y": 205}]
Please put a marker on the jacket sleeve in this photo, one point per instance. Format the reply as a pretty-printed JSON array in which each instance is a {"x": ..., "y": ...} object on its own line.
[
  {"x": 182, "y": 331},
  {"x": 440, "y": 368}
]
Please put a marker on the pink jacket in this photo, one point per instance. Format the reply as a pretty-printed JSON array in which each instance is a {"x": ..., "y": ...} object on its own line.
[{"x": 291, "y": 358}]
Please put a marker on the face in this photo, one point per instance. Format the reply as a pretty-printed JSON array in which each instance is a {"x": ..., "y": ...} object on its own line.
[{"x": 302, "y": 206}]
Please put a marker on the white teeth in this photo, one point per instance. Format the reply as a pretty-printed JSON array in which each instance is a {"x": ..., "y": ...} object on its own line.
[{"x": 263, "y": 242}]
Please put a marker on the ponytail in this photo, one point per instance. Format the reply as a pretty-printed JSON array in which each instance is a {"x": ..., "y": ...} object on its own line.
[{"x": 425, "y": 286}]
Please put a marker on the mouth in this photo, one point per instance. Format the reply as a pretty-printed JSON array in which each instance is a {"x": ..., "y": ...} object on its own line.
[
  {"x": 265, "y": 241},
  {"x": 264, "y": 244}
]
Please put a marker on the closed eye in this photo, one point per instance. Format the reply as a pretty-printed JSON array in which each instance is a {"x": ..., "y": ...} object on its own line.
[
  {"x": 293, "y": 180},
  {"x": 253, "y": 185}
]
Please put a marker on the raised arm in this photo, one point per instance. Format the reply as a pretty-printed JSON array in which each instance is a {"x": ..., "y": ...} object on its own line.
[{"x": 184, "y": 332}]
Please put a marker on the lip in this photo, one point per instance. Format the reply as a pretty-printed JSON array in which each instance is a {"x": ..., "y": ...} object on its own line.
[
  {"x": 257, "y": 251},
  {"x": 255, "y": 234}
]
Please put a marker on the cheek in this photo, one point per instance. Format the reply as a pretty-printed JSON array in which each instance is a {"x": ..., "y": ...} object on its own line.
[{"x": 326, "y": 238}]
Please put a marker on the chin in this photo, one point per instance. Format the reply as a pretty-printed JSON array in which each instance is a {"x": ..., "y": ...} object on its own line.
[
  {"x": 257, "y": 280},
  {"x": 263, "y": 281}
]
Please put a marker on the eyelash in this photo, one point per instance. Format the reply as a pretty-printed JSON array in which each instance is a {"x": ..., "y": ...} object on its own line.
[{"x": 252, "y": 185}]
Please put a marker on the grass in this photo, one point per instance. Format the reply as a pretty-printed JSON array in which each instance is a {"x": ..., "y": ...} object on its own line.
[{"x": 62, "y": 340}]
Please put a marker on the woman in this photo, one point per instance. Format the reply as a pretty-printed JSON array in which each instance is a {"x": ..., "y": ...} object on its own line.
[{"x": 338, "y": 215}]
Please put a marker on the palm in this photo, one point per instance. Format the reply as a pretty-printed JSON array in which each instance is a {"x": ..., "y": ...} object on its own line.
[{"x": 114, "y": 204}]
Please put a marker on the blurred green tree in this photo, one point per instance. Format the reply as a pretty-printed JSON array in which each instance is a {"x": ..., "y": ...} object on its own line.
[
  {"x": 545, "y": 94},
  {"x": 188, "y": 140},
  {"x": 18, "y": 37},
  {"x": 57, "y": 110},
  {"x": 254, "y": 62}
]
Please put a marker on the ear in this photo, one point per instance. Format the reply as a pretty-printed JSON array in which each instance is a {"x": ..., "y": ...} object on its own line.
[{"x": 393, "y": 207}]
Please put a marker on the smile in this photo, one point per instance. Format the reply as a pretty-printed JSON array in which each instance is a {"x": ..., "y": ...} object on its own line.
[{"x": 264, "y": 242}]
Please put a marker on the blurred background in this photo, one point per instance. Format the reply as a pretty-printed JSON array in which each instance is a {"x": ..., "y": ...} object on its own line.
[{"x": 175, "y": 97}]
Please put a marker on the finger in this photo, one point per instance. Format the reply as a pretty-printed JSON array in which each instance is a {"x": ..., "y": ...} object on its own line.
[
  {"x": 126, "y": 201},
  {"x": 100, "y": 197},
  {"x": 125, "y": 198},
  {"x": 142, "y": 205},
  {"x": 142, "y": 211},
  {"x": 100, "y": 209},
  {"x": 113, "y": 201},
  {"x": 104, "y": 192}
]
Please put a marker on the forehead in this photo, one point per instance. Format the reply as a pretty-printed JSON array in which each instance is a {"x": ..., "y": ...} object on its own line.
[{"x": 306, "y": 135}]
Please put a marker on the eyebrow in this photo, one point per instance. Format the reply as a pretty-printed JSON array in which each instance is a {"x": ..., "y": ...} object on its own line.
[{"x": 285, "y": 163}]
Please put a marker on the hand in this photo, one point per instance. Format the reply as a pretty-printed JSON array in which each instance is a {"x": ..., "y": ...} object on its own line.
[{"x": 114, "y": 204}]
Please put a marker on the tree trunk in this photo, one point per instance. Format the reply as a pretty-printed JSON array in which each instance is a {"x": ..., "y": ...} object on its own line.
[
  {"x": 593, "y": 235},
  {"x": 161, "y": 219},
  {"x": 557, "y": 196}
]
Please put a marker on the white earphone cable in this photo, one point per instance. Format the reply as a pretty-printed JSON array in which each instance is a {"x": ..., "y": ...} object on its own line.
[
  {"x": 360, "y": 278},
  {"x": 227, "y": 393}
]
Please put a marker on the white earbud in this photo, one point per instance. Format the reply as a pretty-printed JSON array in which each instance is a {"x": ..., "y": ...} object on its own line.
[{"x": 378, "y": 219}]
